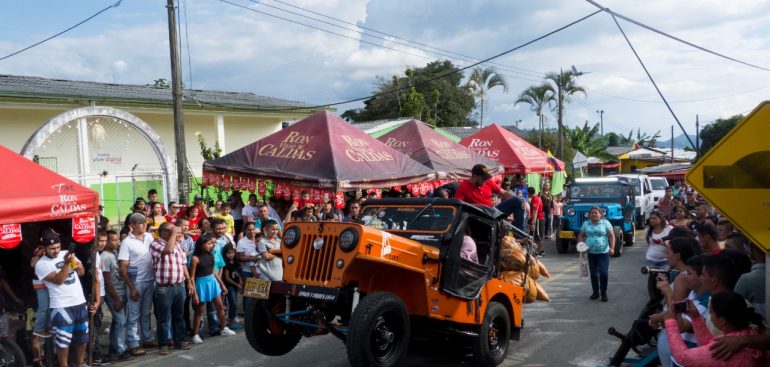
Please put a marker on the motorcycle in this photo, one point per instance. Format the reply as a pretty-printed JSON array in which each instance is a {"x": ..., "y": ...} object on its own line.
[{"x": 11, "y": 354}]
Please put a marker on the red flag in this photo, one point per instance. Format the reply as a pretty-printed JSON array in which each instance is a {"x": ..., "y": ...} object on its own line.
[
  {"x": 339, "y": 200},
  {"x": 296, "y": 193},
  {"x": 251, "y": 185},
  {"x": 83, "y": 228},
  {"x": 215, "y": 181},
  {"x": 262, "y": 188},
  {"x": 226, "y": 182},
  {"x": 278, "y": 190},
  {"x": 315, "y": 196},
  {"x": 415, "y": 190},
  {"x": 10, "y": 235}
]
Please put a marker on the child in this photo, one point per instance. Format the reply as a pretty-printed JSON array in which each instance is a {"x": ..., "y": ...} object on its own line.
[
  {"x": 258, "y": 238},
  {"x": 270, "y": 264},
  {"x": 115, "y": 296},
  {"x": 231, "y": 274},
  {"x": 557, "y": 210},
  {"x": 42, "y": 318},
  {"x": 224, "y": 213},
  {"x": 208, "y": 285}
]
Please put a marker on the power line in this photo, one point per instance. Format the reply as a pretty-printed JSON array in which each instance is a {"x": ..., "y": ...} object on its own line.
[
  {"x": 429, "y": 79},
  {"x": 523, "y": 70},
  {"x": 115, "y": 5},
  {"x": 681, "y": 100},
  {"x": 614, "y": 15},
  {"x": 651, "y": 79},
  {"x": 187, "y": 43}
]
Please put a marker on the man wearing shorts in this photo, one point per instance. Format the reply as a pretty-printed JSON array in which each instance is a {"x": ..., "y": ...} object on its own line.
[{"x": 59, "y": 271}]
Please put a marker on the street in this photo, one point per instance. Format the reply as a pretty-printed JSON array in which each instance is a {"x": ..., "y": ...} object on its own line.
[{"x": 571, "y": 330}]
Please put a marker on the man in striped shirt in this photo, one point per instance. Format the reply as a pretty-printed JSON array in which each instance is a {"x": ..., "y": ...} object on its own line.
[{"x": 170, "y": 272}]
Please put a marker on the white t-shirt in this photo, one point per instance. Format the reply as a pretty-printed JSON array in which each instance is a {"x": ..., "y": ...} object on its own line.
[
  {"x": 137, "y": 252},
  {"x": 237, "y": 212},
  {"x": 657, "y": 249},
  {"x": 249, "y": 248},
  {"x": 99, "y": 270},
  {"x": 69, "y": 293},
  {"x": 249, "y": 210}
]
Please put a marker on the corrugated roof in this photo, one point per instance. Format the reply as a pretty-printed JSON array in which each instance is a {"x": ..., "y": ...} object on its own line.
[
  {"x": 37, "y": 87},
  {"x": 464, "y": 132},
  {"x": 616, "y": 151}
]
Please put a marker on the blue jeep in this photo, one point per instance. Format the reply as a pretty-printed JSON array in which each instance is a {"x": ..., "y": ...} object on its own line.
[{"x": 614, "y": 197}]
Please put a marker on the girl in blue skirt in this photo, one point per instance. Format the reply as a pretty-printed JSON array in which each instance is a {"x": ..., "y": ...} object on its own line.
[{"x": 208, "y": 285}]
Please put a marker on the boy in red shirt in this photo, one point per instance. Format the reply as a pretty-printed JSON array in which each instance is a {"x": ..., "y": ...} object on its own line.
[{"x": 536, "y": 220}]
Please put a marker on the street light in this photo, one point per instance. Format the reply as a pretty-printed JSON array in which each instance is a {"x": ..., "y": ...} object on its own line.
[{"x": 601, "y": 120}]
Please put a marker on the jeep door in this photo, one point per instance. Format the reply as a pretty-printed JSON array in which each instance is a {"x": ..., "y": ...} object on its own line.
[{"x": 463, "y": 278}]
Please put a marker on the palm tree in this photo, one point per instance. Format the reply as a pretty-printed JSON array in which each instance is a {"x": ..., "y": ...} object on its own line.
[
  {"x": 588, "y": 141},
  {"x": 563, "y": 86},
  {"x": 482, "y": 80},
  {"x": 537, "y": 97}
]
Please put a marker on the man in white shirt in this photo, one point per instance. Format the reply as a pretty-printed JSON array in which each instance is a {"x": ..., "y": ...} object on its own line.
[
  {"x": 59, "y": 271},
  {"x": 136, "y": 269}
]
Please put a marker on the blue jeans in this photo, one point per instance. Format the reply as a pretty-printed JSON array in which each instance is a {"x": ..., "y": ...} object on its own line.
[
  {"x": 139, "y": 313},
  {"x": 118, "y": 325},
  {"x": 656, "y": 264},
  {"x": 232, "y": 302},
  {"x": 599, "y": 266},
  {"x": 212, "y": 319},
  {"x": 42, "y": 318},
  {"x": 169, "y": 313}
]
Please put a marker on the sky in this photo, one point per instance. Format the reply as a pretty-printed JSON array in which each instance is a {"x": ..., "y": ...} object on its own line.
[{"x": 231, "y": 48}]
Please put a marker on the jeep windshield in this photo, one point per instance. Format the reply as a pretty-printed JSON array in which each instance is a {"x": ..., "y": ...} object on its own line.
[
  {"x": 595, "y": 193},
  {"x": 635, "y": 182},
  {"x": 412, "y": 222}
]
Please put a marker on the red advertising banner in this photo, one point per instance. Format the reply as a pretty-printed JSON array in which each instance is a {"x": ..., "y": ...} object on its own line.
[
  {"x": 339, "y": 200},
  {"x": 416, "y": 190},
  {"x": 251, "y": 185},
  {"x": 315, "y": 196},
  {"x": 226, "y": 182},
  {"x": 296, "y": 193},
  {"x": 83, "y": 228},
  {"x": 262, "y": 188},
  {"x": 205, "y": 179},
  {"x": 10, "y": 235},
  {"x": 215, "y": 180}
]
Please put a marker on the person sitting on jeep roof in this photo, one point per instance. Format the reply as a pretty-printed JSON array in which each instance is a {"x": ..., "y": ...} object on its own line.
[{"x": 479, "y": 188}]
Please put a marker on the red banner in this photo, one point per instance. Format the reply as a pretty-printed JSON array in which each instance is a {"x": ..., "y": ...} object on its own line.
[
  {"x": 315, "y": 196},
  {"x": 83, "y": 228},
  {"x": 424, "y": 188},
  {"x": 251, "y": 185},
  {"x": 10, "y": 235},
  {"x": 205, "y": 179},
  {"x": 339, "y": 200},
  {"x": 415, "y": 190},
  {"x": 296, "y": 193},
  {"x": 262, "y": 188},
  {"x": 215, "y": 180},
  {"x": 278, "y": 190},
  {"x": 226, "y": 182}
]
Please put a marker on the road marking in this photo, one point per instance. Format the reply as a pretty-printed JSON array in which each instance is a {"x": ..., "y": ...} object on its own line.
[{"x": 569, "y": 269}]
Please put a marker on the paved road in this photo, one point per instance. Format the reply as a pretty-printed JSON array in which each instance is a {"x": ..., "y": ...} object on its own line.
[{"x": 571, "y": 330}]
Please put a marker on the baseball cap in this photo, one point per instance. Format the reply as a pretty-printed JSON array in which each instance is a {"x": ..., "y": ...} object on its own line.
[
  {"x": 481, "y": 171},
  {"x": 50, "y": 237},
  {"x": 198, "y": 197},
  {"x": 137, "y": 218}
]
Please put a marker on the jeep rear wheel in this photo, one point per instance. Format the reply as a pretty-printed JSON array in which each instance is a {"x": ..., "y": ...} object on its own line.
[
  {"x": 491, "y": 347},
  {"x": 266, "y": 335},
  {"x": 630, "y": 237},
  {"x": 378, "y": 333},
  {"x": 618, "y": 232},
  {"x": 562, "y": 246}
]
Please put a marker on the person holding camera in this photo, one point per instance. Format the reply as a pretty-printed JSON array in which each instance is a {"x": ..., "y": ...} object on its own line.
[{"x": 597, "y": 233}]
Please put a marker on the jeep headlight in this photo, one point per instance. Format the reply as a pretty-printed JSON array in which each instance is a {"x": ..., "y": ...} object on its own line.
[
  {"x": 348, "y": 240},
  {"x": 570, "y": 211},
  {"x": 291, "y": 237}
]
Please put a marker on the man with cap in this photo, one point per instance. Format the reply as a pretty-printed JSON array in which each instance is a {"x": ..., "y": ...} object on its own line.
[
  {"x": 60, "y": 272},
  {"x": 137, "y": 271},
  {"x": 479, "y": 188}
]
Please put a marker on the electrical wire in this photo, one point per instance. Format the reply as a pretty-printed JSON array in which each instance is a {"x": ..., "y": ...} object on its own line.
[
  {"x": 640, "y": 24},
  {"x": 115, "y": 5},
  {"x": 681, "y": 100},
  {"x": 187, "y": 44},
  {"x": 444, "y": 75},
  {"x": 652, "y": 80}
]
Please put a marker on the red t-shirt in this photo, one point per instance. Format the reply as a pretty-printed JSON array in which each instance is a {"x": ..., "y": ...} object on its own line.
[
  {"x": 481, "y": 195},
  {"x": 536, "y": 208}
]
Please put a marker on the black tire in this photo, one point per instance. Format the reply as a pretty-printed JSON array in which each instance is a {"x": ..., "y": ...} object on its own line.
[
  {"x": 562, "y": 246},
  {"x": 12, "y": 354},
  {"x": 491, "y": 347},
  {"x": 639, "y": 222},
  {"x": 270, "y": 340},
  {"x": 378, "y": 333},
  {"x": 630, "y": 237},
  {"x": 618, "y": 241}
]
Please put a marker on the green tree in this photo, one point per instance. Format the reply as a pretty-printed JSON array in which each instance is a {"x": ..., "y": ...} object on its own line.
[
  {"x": 414, "y": 105},
  {"x": 480, "y": 82},
  {"x": 615, "y": 139},
  {"x": 563, "y": 86},
  {"x": 538, "y": 97},
  {"x": 642, "y": 139},
  {"x": 452, "y": 105},
  {"x": 586, "y": 139},
  {"x": 550, "y": 141},
  {"x": 715, "y": 131}
]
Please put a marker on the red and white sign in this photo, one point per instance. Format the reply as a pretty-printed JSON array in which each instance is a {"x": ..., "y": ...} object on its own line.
[
  {"x": 262, "y": 188},
  {"x": 205, "y": 179},
  {"x": 315, "y": 196},
  {"x": 296, "y": 193},
  {"x": 83, "y": 228},
  {"x": 339, "y": 200},
  {"x": 10, "y": 235},
  {"x": 226, "y": 181},
  {"x": 215, "y": 180},
  {"x": 415, "y": 190},
  {"x": 251, "y": 185}
]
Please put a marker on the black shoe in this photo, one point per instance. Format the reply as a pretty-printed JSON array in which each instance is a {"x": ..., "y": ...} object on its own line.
[
  {"x": 594, "y": 296},
  {"x": 604, "y": 297},
  {"x": 216, "y": 333},
  {"x": 126, "y": 356},
  {"x": 100, "y": 360}
]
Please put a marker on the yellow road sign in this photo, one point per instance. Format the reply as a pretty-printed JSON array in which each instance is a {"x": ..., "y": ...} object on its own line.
[{"x": 735, "y": 175}]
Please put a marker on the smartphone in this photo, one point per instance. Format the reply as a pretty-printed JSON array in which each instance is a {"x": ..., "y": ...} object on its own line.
[{"x": 680, "y": 307}]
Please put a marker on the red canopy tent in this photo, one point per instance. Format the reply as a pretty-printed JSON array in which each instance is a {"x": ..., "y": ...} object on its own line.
[
  {"x": 33, "y": 193},
  {"x": 322, "y": 151},
  {"x": 509, "y": 150},
  {"x": 447, "y": 158}
]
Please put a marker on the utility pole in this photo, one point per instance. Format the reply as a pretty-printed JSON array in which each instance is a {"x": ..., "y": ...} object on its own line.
[
  {"x": 517, "y": 122},
  {"x": 176, "y": 90},
  {"x": 697, "y": 136},
  {"x": 601, "y": 121},
  {"x": 672, "y": 143},
  {"x": 540, "y": 140}
]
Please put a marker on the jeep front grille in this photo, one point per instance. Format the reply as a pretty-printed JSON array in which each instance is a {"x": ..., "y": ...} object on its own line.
[{"x": 316, "y": 265}]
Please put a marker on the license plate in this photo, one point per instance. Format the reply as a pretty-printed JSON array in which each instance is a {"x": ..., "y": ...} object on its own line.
[
  {"x": 257, "y": 288},
  {"x": 566, "y": 235}
]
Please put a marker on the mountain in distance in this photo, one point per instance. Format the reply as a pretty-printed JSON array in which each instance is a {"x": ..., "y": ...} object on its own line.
[{"x": 680, "y": 142}]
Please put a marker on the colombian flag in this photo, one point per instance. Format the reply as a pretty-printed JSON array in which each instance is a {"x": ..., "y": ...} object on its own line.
[
  {"x": 637, "y": 146},
  {"x": 551, "y": 160}
]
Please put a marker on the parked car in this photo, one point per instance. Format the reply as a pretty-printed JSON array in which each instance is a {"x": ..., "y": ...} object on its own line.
[
  {"x": 643, "y": 200},
  {"x": 615, "y": 199},
  {"x": 372, "y": 285},
  {"x": 658, "y": 186}
]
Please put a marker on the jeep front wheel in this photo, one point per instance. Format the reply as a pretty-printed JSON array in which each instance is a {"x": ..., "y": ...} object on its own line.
[
  {"x": 491, "y": 346},
  {"x": 266, "y": 335},
  {"x": 562, "y": 246},
  {"x": 378, "y": 333},
  {"x": 618, "y": 241}
]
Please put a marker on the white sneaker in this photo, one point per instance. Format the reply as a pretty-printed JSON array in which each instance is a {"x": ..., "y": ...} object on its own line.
[
  {"x": 227, "y": 331},
  {"x": 197, "y": 339}
]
